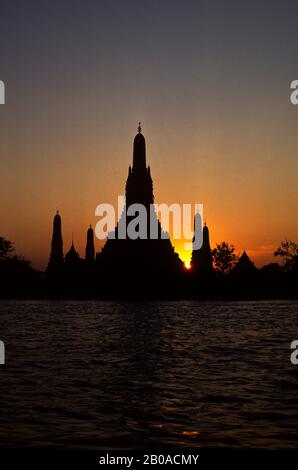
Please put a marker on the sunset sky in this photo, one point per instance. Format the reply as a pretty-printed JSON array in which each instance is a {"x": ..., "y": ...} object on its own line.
[{"x": 210, "y": 81}]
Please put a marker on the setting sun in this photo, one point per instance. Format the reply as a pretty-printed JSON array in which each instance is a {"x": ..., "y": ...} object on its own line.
[{"x": 187, "y": 264}]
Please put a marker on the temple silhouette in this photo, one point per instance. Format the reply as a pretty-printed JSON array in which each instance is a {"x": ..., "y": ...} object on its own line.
[
  {"x": 147, "y": 267},
  {"x": 146, "y": 260},
  {"x": 129, "y": 265}
]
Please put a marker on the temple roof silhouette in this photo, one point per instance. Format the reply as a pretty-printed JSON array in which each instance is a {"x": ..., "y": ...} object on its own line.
[
  {"x": 72, "y": 254},
  {"x": 244, "y": 263}
]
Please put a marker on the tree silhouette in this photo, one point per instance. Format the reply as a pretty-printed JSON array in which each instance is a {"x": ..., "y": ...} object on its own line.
[
  {"x": 288, "y": 250},
  {"x": 224, "y": 257},
  {"x": 6, "y": 249}
]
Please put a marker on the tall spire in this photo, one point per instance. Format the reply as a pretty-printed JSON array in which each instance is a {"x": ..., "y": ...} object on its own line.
[
  {"x": 142, "y": 261},
  {"x": 139, "y": 187},
  {"x": 139, "y": 152},
  {"x": 201, "y": 260},
  {"x": 90, "y": 250},
  {"x": 56, "y": 256}
]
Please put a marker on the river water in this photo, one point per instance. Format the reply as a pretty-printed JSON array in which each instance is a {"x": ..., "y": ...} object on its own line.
[{"x": 123, "y": 375}]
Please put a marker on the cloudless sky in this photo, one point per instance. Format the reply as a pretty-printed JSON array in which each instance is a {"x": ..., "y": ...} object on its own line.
[{"x": 210, "y": 81}]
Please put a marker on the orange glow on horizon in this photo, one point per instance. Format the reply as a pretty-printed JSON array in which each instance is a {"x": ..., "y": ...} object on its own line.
[{"x": 237, "y": 213}]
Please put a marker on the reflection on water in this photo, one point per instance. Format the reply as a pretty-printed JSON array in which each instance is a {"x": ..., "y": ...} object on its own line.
[{"x": 110, "y": 375}]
